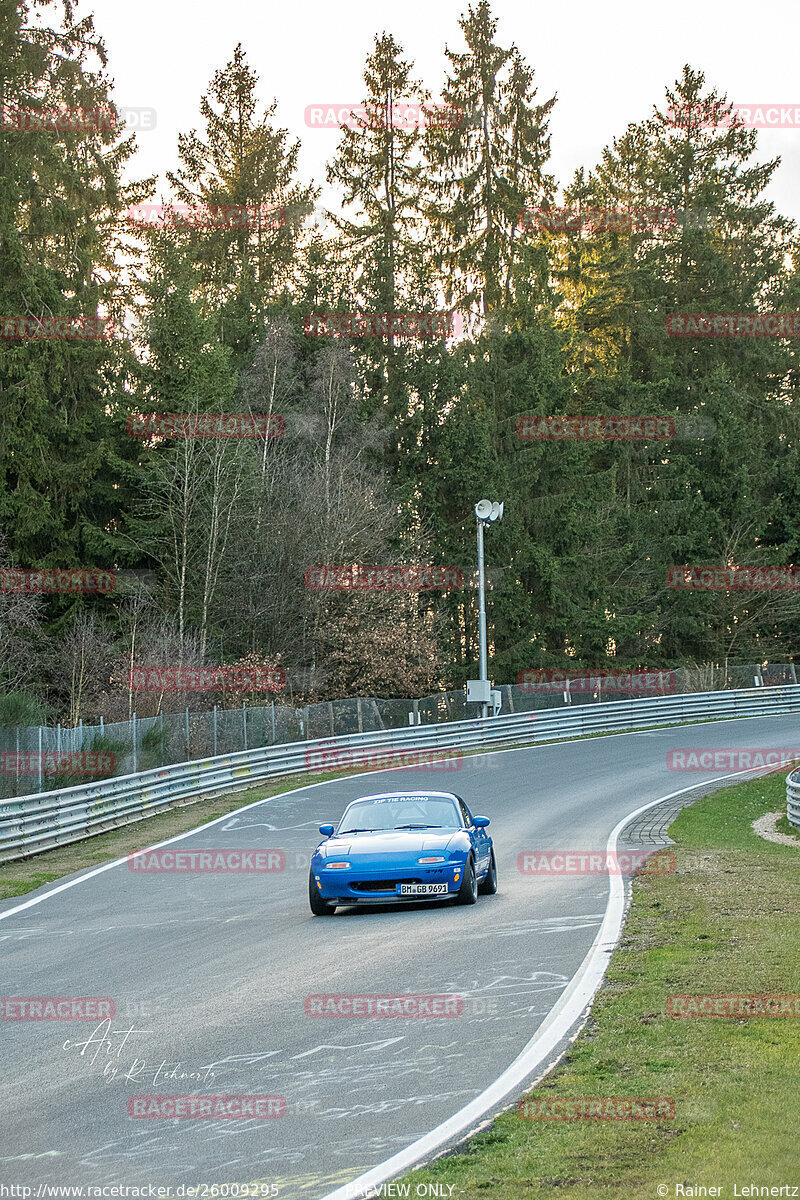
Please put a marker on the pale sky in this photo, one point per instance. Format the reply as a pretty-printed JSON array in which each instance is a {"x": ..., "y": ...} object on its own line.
[{"x": 609, "y": 63}]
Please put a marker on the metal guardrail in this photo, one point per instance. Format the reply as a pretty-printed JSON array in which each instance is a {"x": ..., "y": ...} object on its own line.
[
  {"x": 32, "y": 824},
  {"x": 793, "y": 797},
  {"x": 29, "y": 754}
]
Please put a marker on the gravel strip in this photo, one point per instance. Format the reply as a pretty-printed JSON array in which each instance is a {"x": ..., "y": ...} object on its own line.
[{"x": 765, "y": 828}]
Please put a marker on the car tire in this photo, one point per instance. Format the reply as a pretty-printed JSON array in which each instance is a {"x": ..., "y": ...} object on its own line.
[
  {"x": 319, "y": 907},
  {"x": 488, "y": 885},
  {"x": 468, "y": 892}
]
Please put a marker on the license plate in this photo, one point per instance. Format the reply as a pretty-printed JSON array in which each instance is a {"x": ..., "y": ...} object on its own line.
[{"x": 423, "y": 889}]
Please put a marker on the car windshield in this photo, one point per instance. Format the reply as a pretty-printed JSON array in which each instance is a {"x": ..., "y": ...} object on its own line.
[{"x": 400, "y": 812}]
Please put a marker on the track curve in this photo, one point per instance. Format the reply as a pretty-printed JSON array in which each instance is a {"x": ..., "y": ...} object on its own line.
[{"x": 211, "y": 972}]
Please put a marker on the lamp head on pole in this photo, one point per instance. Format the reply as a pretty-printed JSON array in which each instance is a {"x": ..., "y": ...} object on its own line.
[{"x": 488, "y": 510}]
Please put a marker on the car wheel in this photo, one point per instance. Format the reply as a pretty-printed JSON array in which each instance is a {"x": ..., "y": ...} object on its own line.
[
  {"x": 319, "y": 907},
  {"x": 488, "y": 885},
  {"x": 468, "y": 892}
]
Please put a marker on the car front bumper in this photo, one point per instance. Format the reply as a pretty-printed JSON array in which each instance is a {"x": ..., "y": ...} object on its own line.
[{"x": 379, "y": 884}]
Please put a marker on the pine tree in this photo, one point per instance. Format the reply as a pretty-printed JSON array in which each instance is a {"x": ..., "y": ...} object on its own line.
[
  {"x": 246, "y": 163},
  {"x": 700, "y": 238},
  {"x": 382, "y": 243},
  {"x": 62, "y": 457},
  {"x": 485, "y": 167},
  {"x": 376, "y": 165}
]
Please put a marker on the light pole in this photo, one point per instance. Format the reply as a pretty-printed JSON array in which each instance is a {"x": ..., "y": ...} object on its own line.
[{"x": 486, "y": 513}]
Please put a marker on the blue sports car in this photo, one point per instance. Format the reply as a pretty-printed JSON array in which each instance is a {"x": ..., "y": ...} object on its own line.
[{"x": 402, "y": 846}]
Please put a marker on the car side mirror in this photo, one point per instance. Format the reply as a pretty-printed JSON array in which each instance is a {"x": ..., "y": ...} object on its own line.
[
  {"x": 326, "y": 830},
  {"x": 480, "y": 822}
]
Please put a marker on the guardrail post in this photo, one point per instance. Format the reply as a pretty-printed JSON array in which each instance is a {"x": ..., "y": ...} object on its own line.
[
  {"x": 244, "y": 722},
  {"x": 273, "y": 721},
  {"x": 187, "y": 732},
  {"x": 360, "y": 721},
  {"x": 215, "y": 731},
  {"x": 793, "y": 798},
  {"x": 40, "y": 758},
  {"x": 58, "y": 737},
  {"x": 135, "y": 751}
]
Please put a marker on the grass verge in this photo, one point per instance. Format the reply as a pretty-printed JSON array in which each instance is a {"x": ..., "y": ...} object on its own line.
[{"x": 727, "y": 922}]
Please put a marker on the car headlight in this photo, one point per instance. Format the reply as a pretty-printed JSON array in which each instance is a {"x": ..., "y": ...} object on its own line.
[
  {"x": 432, "y": 859},
  {"x": 337, "y": 866}
]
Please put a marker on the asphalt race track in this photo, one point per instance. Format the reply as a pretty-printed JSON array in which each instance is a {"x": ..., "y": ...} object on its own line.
[{"x": 210, "y": 973}]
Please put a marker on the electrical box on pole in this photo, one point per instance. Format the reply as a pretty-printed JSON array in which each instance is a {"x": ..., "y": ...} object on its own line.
[{"x": 479, "y": 691}]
